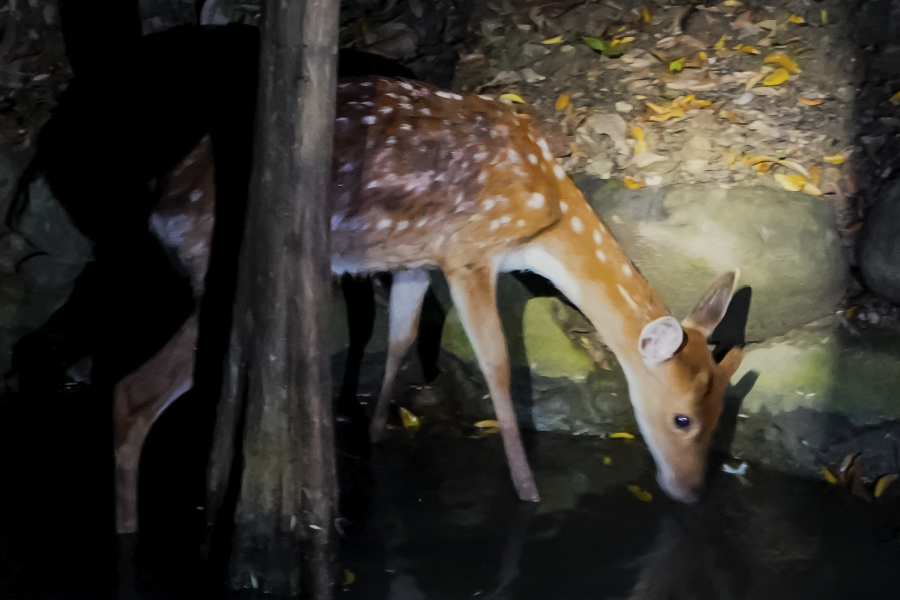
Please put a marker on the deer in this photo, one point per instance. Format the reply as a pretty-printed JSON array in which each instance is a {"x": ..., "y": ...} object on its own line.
[{"x": 424, "y": 178}]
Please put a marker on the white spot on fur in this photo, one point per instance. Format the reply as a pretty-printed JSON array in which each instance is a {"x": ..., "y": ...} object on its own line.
[
  {"x": 459, "y": 197},
  {"x": 626, "y": 270},
  {"x": 505, "y": 219},
  {"x": 488, "y": 204},
  {"x": 448, "y": 95},
  {"x": 405, "y": 106},
  {"x": 368, "y": 120},
  {"x": 559, "y": 172},
  {"x": 422, "y": 222},
  {"x": 521, "y": 222},
  {"x": 406, "y": 127},
  {"x": 532, "y": 159},
  {"x": 402, "y": 225},
  {"x": 564, "y": 207},
  {"x": 488, "y": 98},
  {"x": 495, "y": 224},
  {"x": 384, "y": 224},
  {"x": 601, "y": 256},
  {"x": 385, "y": 110},
  {"x": 482, "y": 177},
  {"x": 390, "y": 141},
  {"x": 535, "y": 201},
  {"x": 405, "y": 85},
  {"x": 597, "y": 237},
  {"x": 628, "y": 298},
  {"x": 425, "y": 111},
  {"x": 577, "y": 225}
]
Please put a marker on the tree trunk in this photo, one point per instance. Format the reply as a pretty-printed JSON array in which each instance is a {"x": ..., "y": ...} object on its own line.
[{"x": 273, "y": 441}]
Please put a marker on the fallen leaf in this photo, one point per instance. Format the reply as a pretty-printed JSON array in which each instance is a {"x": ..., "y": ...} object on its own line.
[
  {"x": 676, "y": 65},
  {"x": 814, "y": 175},
  {"x": 488, "y": 423},
  {"x": 640, "y": 147},
  {"x": 811, "y": 101},
  {"x": 637, "y": 133},
  {"x": 645, "y": 14},
  {"x": 562, "y": 101},
  {"x": 824, "y": 17},
  {"x": 640, "y": 494},
  {"x": 834, "y": 159},
  {"x": 731, "y": 3},
  {"x": 410, "y": 421},
  {"x": 512, "y": 98},
  {"x": 720, "y": 45},
  {"x": 645, "y": 159},
  {"x": 753, "y": 81},
  {"x": 349, "y": 577},
  {"x": 602, "y": 47},
  {"x": 784, "y": 62},
  {"x": 796, "y": 19},
  {"x": 883, "y": 482},
  {"x": 828, "y": 476},
  {"x": 747, "y": 49},
  {"x": 895, "y": 99},
  {"x": 575, "y": 151},
  {"x": 607, "y": 461},
  {"x": 703, "y": 56},
  {"x": 733, "y": 117},
  {"x": 777, "y": 77},
  {"x": 554, "y": 40},
  {"x": 810, "y": 188},
  {"x": 792, "y": 183},
  {"x": 621, "y": 435}
]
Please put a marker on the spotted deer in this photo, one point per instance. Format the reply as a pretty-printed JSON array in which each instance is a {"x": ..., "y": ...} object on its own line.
[{"x": 424, "y": 178}]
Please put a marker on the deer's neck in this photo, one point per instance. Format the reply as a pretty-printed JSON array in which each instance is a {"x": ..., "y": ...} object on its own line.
[{"x": 581, "y": 258}]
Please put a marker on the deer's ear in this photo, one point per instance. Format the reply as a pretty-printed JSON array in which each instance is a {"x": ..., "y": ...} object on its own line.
[
  {"x": 708, "y": 312},
  {"x": 660, "y": 340}
]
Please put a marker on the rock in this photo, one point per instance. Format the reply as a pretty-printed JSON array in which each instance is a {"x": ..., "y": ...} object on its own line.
[
  {"x": 600, "y": 168},
  {"x": 879, "y": 247},
  {"x": 696, "y": 166},
  {"x": 645, "y": 159},
  {"x": 47, "y": 226},
  {"x": 682, "y": 237},
  {"x": 822, "y": 392},
  {"x": 47, "y": 271}
]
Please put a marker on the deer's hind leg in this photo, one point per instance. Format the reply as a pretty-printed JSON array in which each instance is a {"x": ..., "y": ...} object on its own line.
[{"x": 405, "y": 307}]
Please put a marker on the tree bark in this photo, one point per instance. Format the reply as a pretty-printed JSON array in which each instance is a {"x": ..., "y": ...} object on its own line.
[{"x": 273, "y": 441}]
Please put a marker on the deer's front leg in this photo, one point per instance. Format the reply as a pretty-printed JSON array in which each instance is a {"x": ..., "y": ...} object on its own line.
[{"x": 474, "y": 292}]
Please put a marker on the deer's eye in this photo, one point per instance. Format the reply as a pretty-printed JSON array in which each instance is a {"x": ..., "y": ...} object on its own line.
[{"x": 682, "y": 421}]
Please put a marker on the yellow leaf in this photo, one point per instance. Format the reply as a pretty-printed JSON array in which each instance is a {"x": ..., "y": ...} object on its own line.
[
  {"x": 809, "y": 101},
  {"x": 640, "y": 494},
  {"x": 731, "y": 3},
  {"x": 639, "y": 147},
  {"x": 655, "y": 108},
  {"x": 607, "y": 461},
  {"x": 621, "y": 435},
  {"x": 835, "y": 159},
  {"x": 702, "y": 56},
  {"x": 349, "y": 577},
  {"x": 828, "y": 476},
  {"x": 783, "y": 61},
  {"x": 814, "y": 175},
  {"x": 883, "y": 484},
  {"x": 796, "y": 19},
  {"x": 410, "y": 421},
  {"x": 824, "y": 17},
  {"x": 720, "y": 45},
  {"x": 512, "y": 98},
  {"x": 637, "y": 132},
  {"x": 777, "y": 77},
  {"x": 488, "y": 423},
  {"x": 811, "y": 189},
  {"x": 555, "y": 40},
  {"x": 646, "y": 15},
  {"x": 749, "y": 50},
  {"x": 562, "y": 101},
  {"x": 789, "y": 182},
  {"x": 895, "y": 99}
]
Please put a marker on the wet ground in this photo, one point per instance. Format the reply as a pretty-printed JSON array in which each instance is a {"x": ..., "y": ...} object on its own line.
[{"x": 432, "y": 515}]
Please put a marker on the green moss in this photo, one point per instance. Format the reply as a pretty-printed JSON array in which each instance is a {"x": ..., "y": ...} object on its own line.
[{"x": 550, "y": 352}]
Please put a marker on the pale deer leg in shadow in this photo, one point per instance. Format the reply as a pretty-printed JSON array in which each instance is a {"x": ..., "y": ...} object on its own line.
[
  {"x": 405, "y": 308},
  {"x": 138, "y": 400},
  {"x": 474, "y": 292}
]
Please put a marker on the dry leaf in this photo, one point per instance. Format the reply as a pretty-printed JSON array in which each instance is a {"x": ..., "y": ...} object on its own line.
[
  {"x": 640, "y": 494},
  {"x": 703, "y": 56},
  {"x": 895, "y": 99},
  {"x": 575, "y": 151},
  {"x": 349, "y": 577},
  {"x": 785, "y": 62},
  {"x": 645, "y": 14},
  {"x": 883, "y": 483},
  {"x": 720, "y": 45},
  {"x": 488, "y": 423},
  {"x": 639, "y": 147},
  {"x": 824, "y": 15},
  {"x": 814, "y": 175},
  {"x": 810, "y": 188},
  {"x": 792, "y": 183},
  {"x": 410, "y": 421},
  {"x": 828, "y": 476},
  {"x": 796, "y": 19},
  {"x": 731, "y": 3},
  {"x": 607, "y": 461},
  {"x": 834, "y": 159},
  {"x": 637, "y": 133},
  {"x": 753, "y": 81},
  {"x": 746, "y": 49},
  {"x": 812, "y": 101},
  {"x": 562, "y": 101},
  {"x": 621, "y": 435},
  {"x": 777, "y": 77},
  {"x": 509, "y": 98},
  {"x": 555, "y": 40}
]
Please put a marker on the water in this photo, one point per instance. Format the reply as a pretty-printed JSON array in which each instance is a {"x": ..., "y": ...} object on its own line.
[{"x": 432, "y": 515}]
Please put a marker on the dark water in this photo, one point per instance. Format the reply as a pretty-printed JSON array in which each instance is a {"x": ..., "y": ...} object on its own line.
[{"x": 432, "y": 515}]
